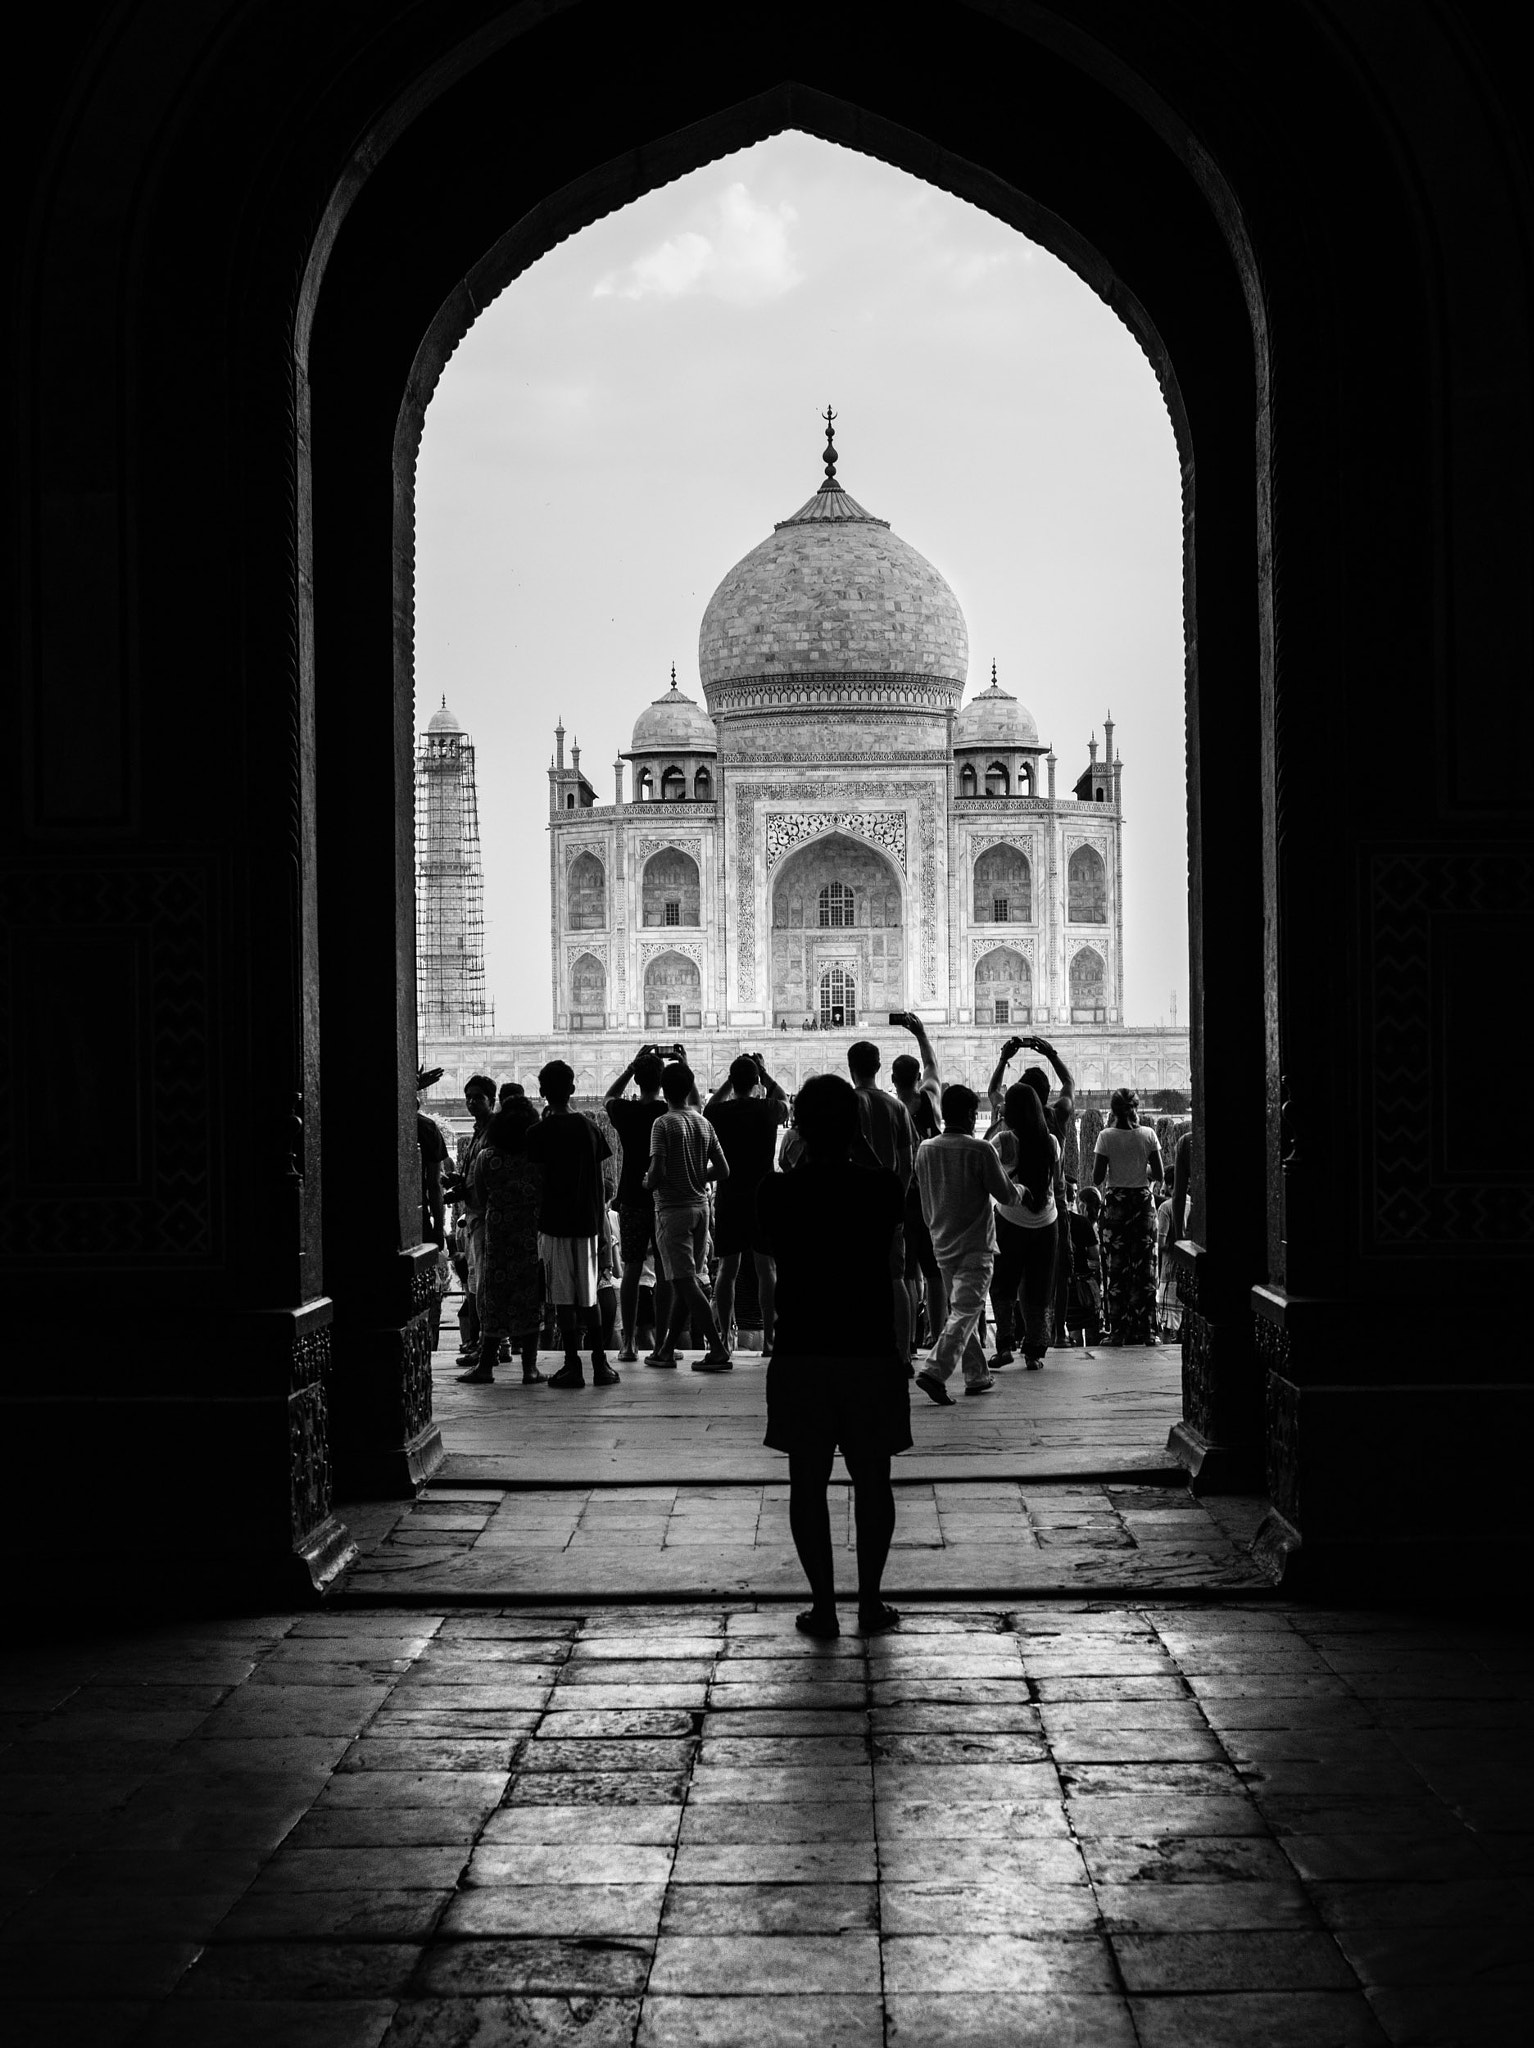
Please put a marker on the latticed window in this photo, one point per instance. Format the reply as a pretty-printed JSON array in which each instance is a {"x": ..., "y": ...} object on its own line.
[
  {"x": 836, "y": 904},
  {"x": 998, "y": 910},
  {"x": 838, "y": 999},
  {"x": 1003, "y": 1010},
  {"x": 673, "y": 910},
  {"x": 673, "y": 1015}
]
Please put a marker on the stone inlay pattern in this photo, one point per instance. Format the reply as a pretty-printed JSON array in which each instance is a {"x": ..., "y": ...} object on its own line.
[
  {"x": 1137, "y": 1823},
  {"x": 748, "y": 797},
  {"x": 784, "y": 830}
]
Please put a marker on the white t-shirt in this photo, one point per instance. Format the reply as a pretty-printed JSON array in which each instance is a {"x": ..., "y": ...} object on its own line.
[
  {"x": 1128, "y": 1154},
  {"x": 1019, "y": 1212}
]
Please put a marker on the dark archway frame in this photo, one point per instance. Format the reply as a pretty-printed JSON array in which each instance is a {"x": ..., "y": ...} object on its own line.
[{"x": 1180, "y": 277}]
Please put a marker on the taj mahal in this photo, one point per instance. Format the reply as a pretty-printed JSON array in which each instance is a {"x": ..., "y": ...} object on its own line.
[{"x": 831, "y": 835}]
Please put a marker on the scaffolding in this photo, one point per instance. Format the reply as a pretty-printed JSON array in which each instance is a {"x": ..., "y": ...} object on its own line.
[{"x": 449, "y": 887}]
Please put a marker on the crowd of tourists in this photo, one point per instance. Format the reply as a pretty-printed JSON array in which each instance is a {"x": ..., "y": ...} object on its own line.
[
  {"x": 881, "y": 1224},
  {"x": 622, "y": 1234}
]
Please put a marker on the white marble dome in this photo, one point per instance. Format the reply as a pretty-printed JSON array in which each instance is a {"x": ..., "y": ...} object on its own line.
[
  {"x": 443, "y": 720},
  {"x": 995, "y": 719},
  {"x": 673, "y": 724},
  {"x": 832, "y": 591}
]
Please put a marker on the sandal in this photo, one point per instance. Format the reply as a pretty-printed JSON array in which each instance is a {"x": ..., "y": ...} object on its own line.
[
  {"x": 819, "y": 1622},
  {"x": 875, "y": 1621}
]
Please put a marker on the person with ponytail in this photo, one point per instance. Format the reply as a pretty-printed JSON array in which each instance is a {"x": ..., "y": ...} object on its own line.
[{"x": 1027, "y": 1237}]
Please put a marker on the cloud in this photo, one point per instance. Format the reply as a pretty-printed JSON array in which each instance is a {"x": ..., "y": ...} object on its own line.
[{"x": 744, "y": 257}]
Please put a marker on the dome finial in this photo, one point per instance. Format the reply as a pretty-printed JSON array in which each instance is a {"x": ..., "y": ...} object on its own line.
[
  {"x": 993, "y": 675},
  {"x": 830, "y": 483},
  {"x": 673, "y": 675}
]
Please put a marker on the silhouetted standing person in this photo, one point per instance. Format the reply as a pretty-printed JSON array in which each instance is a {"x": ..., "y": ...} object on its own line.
[
  {"x": 508, "y": 1189},
  {"x": 570, "y": 1149},
  {"x": 1128, "y": 1159},
  {"x": 833, "y": 1228},
  {"x": 748, "y": 1125}
]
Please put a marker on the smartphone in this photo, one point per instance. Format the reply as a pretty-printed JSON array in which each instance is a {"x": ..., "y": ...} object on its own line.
[{"x": 897, "y": 1016}]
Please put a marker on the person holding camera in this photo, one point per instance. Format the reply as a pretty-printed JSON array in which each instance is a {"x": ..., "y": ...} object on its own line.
[
  {"x": 634, "y": 1121},
  {"x": 747, "y": 1110},
  {"x": 685, "y": 1155}
]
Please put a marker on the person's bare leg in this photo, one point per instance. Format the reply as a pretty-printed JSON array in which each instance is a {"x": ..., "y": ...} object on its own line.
[
  {"x": 809, "y": 1523},
  {"x": 874, "y": 1506},
  {"x": 766, "y": 1294},
  {"x": 724, "y": 1290},
  {"x": 628, "y": 1301}
]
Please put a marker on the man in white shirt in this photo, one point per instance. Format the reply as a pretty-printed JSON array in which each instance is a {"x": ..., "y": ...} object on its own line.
[{"x": 960, "y": 1177}]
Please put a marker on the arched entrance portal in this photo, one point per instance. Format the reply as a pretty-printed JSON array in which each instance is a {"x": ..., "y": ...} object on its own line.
[
  {"x": 838, "y": 999},
  {"x": 1044, "y": 169},
  {"x": 837, "y": 923}
]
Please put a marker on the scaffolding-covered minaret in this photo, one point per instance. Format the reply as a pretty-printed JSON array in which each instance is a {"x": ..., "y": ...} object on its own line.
[{"x": 449, "y": 886}]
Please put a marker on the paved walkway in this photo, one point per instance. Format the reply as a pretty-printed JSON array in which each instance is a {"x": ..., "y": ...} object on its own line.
[
  {"x": 1148, "y": 1824},
  {"x": 661, "y": 1488},
  {"x": 1106, "y": 1414}
]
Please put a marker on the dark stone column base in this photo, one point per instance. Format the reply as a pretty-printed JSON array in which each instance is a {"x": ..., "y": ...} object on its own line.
[
  {"x": 393, "y": 1471},
  {"x": 1212, "y": 1467},
  {"x": 324, "y": 1554},
  {"x": 1219, "y": 1439},
  {"x": 384, "y": 1443}
]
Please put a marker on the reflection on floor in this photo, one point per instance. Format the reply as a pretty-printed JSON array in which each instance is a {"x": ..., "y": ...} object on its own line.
[{"x": 1151, "y": 1823}]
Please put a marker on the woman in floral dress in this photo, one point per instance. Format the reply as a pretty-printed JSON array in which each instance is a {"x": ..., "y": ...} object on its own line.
[
  {"x": 1127, "y": 1161},
  {"x": 507, "y": 1185}
]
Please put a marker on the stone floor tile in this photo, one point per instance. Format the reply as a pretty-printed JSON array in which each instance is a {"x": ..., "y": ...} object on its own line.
[
  {"x": 812, "y": 1693},
  {"x": 514, "y": 2022},
  {"x": 820, "y": 1820},
  {"x": 841, "y": 1778},
  {"x": 574, "y": 1725},
  {"x": 997, "y": 1962},
  {"x": 1106, "y": 1813},
  {"x": 56, "y": 1915},
  {"x": 1389, "y": 1858},
  {"x": 779, "y": 1752},
  {"x": 1184, "y": 1859},
  {"x": 1134, "y": 1745},
  {"x": 976, "y": 1694},
  {"x": 401, "y": 1752},
  {"x": 942, "y": 1717},
  {"x": 104, "y": 2023},
  {"x": 936, "y": 1819},
  {"x": 1326, "y": 1815},
  {"x": 1231, "y": 1960},
  {"x": 1097, "y": 1685},
  {"x": 673, "y": 1753},
  {"x": 356, "y": 1915},
  {"x": 770, "y": 1908},
  {"x": 1087, "y": 1717},
  {"x": 762, "y": 1652},
  {"x": 558, "y": 1824},
  {"x": 526, "y": 1695},
  {"x": 687, "y": 1696},
  {"x": 1300, "y": 2019},
  {"x": 966, "y": 1783},
  {"x": 440, "y": 1825},
  {"x": 651, "y": 1670},
  {"x": 572, "y": 1912},
  {"x": 530, "y": 1863},
  {"x": 1198, "y": 1780},
  {"x": 785, "y": 1721},
  {"x": 286, "y": 1970},
  {"x": 414, "y": 1788},
  {"x": 597, "y": 1788},
  {"x": 644, "y": 1649},
  {"x": 1432, "y": 1955},
  {"x": 363, "y": 1868},
  {"x": 336, "y": 2023},
  {"x": 841, "y": 2021},
  {"x": 1439, "y": 1902},
  {"x": 1422, "y": 2016},
  {"x": 787, "y": 1863},
  {"x": 804, "y": 1965},
  {"x": 1047, "y": 1861},
  {"x": 532, "y": 1968},
  {"x": 59, "y": 1972},
  {"x": 98, "y": 1872},
  {"x": 1018, "y": 2019},
  {"x": 994, "y": 1904},
  {"x": 964, "y": 1747},
  {"x": 1151, "y": 1907}
]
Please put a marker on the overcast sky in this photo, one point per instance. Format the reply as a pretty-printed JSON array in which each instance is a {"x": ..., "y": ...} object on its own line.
[{"x": 632, "y": 415}]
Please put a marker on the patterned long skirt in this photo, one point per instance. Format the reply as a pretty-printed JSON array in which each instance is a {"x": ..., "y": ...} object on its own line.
[{"x": 1129, "y": 1264}]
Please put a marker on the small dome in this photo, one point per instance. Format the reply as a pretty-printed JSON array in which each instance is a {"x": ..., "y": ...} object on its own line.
[
  {"x": 674, "y": 724},
  {"x": 995, "y": 719},
  {"x": 443, "y": 720}
]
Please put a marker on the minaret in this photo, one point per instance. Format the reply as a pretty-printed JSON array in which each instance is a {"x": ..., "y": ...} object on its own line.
[{"x": 449, "y": 886}]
